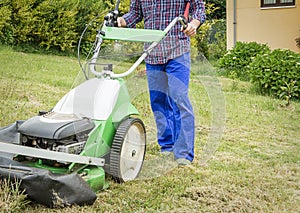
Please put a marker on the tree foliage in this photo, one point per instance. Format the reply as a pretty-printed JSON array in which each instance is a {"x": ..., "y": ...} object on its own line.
[
  {"x": 50, "y": 23},
  {"x": 211, "y": 37},
  {"x": 220, "y": 11},
  {"x": 58, "y": 24}
]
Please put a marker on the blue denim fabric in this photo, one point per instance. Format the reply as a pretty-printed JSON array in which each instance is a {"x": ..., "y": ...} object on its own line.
[{"x": 168, "y": 85}]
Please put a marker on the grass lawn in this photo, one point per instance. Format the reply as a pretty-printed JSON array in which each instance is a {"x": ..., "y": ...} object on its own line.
[{"x": 247, "y": 146}]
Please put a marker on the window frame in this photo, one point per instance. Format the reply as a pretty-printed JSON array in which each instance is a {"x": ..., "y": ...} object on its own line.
[{"x": 277, "y": 4}]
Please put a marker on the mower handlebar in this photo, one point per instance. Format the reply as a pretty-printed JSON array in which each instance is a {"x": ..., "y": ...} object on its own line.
[
  {"x": 146, "y": 52},
  {"x": 111, "y": 19},
  {"x": 185, "y": 17},
  {"x": 100, "y": 38}
]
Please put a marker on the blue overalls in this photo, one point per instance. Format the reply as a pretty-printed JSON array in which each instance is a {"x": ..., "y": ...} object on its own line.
[{"x": 168, "y": 85}]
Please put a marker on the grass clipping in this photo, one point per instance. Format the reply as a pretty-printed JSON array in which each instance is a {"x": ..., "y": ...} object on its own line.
[{"x": 12, "y": 199}]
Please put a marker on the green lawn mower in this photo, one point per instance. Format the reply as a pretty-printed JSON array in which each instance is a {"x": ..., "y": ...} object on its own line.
[{"x": 63, "y": 155}]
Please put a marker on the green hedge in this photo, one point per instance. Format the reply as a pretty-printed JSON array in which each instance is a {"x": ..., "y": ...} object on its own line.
[
  {"x": 6, "y": 29},
  {"x": 277, "y": 73},
  {"x": 298, "y": 42},
  {"x": 235, "y": 61},
  {"x": 58, "y": 25},
  {"x": 51, "y": 24}
]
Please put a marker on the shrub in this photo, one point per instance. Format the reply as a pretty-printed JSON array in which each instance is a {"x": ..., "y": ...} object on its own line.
[
  {"x": 22, "y": 20},
  {"x": 298, "y": 42},
  {"x": 51, "y": 24},
  {"x": 88, "y": 11},
  {"x": 277, "y": 73},
  {"x": 217, "y": 39},
  {"x": 200, "y": 40},
  {"x": 236, "y": 60},
  {"x": 6, "y": 30},
  {"x": 211, "y": 39},
  {"x": 210, "y": 35},
  {"x": 55, "y": 24}
]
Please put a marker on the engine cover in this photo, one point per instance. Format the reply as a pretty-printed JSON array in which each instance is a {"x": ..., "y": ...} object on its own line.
[{"x": 55, "y": 126}]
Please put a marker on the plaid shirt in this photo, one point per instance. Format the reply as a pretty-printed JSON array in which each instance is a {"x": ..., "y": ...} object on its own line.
[{"x": 157, "y": 15}]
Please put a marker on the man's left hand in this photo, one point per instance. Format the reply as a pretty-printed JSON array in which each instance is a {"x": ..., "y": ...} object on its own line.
[{"x": 192, "y": 27}]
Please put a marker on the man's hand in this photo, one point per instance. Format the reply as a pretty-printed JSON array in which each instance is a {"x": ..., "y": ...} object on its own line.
[
  {"x": 192, "y": 27},
  {"x": 121, "y": 22}
]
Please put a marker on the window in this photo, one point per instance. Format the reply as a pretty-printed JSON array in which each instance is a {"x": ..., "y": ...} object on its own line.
[{"x": 277, "y": 3}]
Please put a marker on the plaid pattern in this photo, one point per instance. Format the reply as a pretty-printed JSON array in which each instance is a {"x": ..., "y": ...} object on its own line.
[{"x": 158, "y": 14}]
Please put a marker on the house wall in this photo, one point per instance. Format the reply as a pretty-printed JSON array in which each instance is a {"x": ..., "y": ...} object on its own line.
[{"x": 277, "y": 27}]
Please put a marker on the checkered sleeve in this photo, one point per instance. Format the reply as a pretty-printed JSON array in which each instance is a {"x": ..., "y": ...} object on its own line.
[
  {"x": 134, "y": 15},
  {"x": 198, "y": 10}
]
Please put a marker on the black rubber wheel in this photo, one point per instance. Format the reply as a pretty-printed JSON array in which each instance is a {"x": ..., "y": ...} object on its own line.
[{"x": 128, "y": 150}]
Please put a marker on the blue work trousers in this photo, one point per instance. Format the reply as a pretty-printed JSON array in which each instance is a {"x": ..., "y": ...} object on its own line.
[{"x": 168, "y": 86}]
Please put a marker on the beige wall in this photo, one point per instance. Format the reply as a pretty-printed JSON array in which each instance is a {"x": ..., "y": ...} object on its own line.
[{"x": 277, "y": 27}]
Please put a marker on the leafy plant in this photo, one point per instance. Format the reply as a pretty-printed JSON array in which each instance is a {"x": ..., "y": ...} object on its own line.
[
  {"x": 209, "y": 34},
  {"x": 217, "y": 39},
  {"x": 277, "y": 73},
  {"x": 22, "y": 20},
  {"x": 55, "y": 24},
  {"x": 6, "y": 31},
  {"x": 220, "y": 12},
  {"x": 298, "y": 42},
  {"x": 239, "y": 57},
  {"x": 51, "y": 24}
]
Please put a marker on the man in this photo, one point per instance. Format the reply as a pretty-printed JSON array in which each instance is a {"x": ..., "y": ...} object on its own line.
[{"x": 168, "y": 71}]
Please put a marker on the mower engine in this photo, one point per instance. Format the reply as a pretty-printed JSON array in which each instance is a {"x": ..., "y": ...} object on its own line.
[{"x": 56, "y": 132}]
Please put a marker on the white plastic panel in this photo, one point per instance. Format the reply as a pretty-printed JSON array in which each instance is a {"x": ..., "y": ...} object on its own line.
[{"x": 95, "y": 99}]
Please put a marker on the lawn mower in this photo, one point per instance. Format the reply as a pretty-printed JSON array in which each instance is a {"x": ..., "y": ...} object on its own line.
[{"x": 62, "y": 156}]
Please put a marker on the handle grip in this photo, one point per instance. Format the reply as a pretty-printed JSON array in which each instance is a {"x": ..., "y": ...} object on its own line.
[
  {"x": 183, "y": 19},
  {"x": 186, "y": 11}
]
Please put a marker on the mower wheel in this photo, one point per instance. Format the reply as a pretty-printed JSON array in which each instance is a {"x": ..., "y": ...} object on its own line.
[{"x": 128, "y": 150}]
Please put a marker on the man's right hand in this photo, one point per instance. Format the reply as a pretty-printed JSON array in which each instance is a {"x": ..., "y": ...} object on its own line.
[{"x": 121, "y": 22}]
